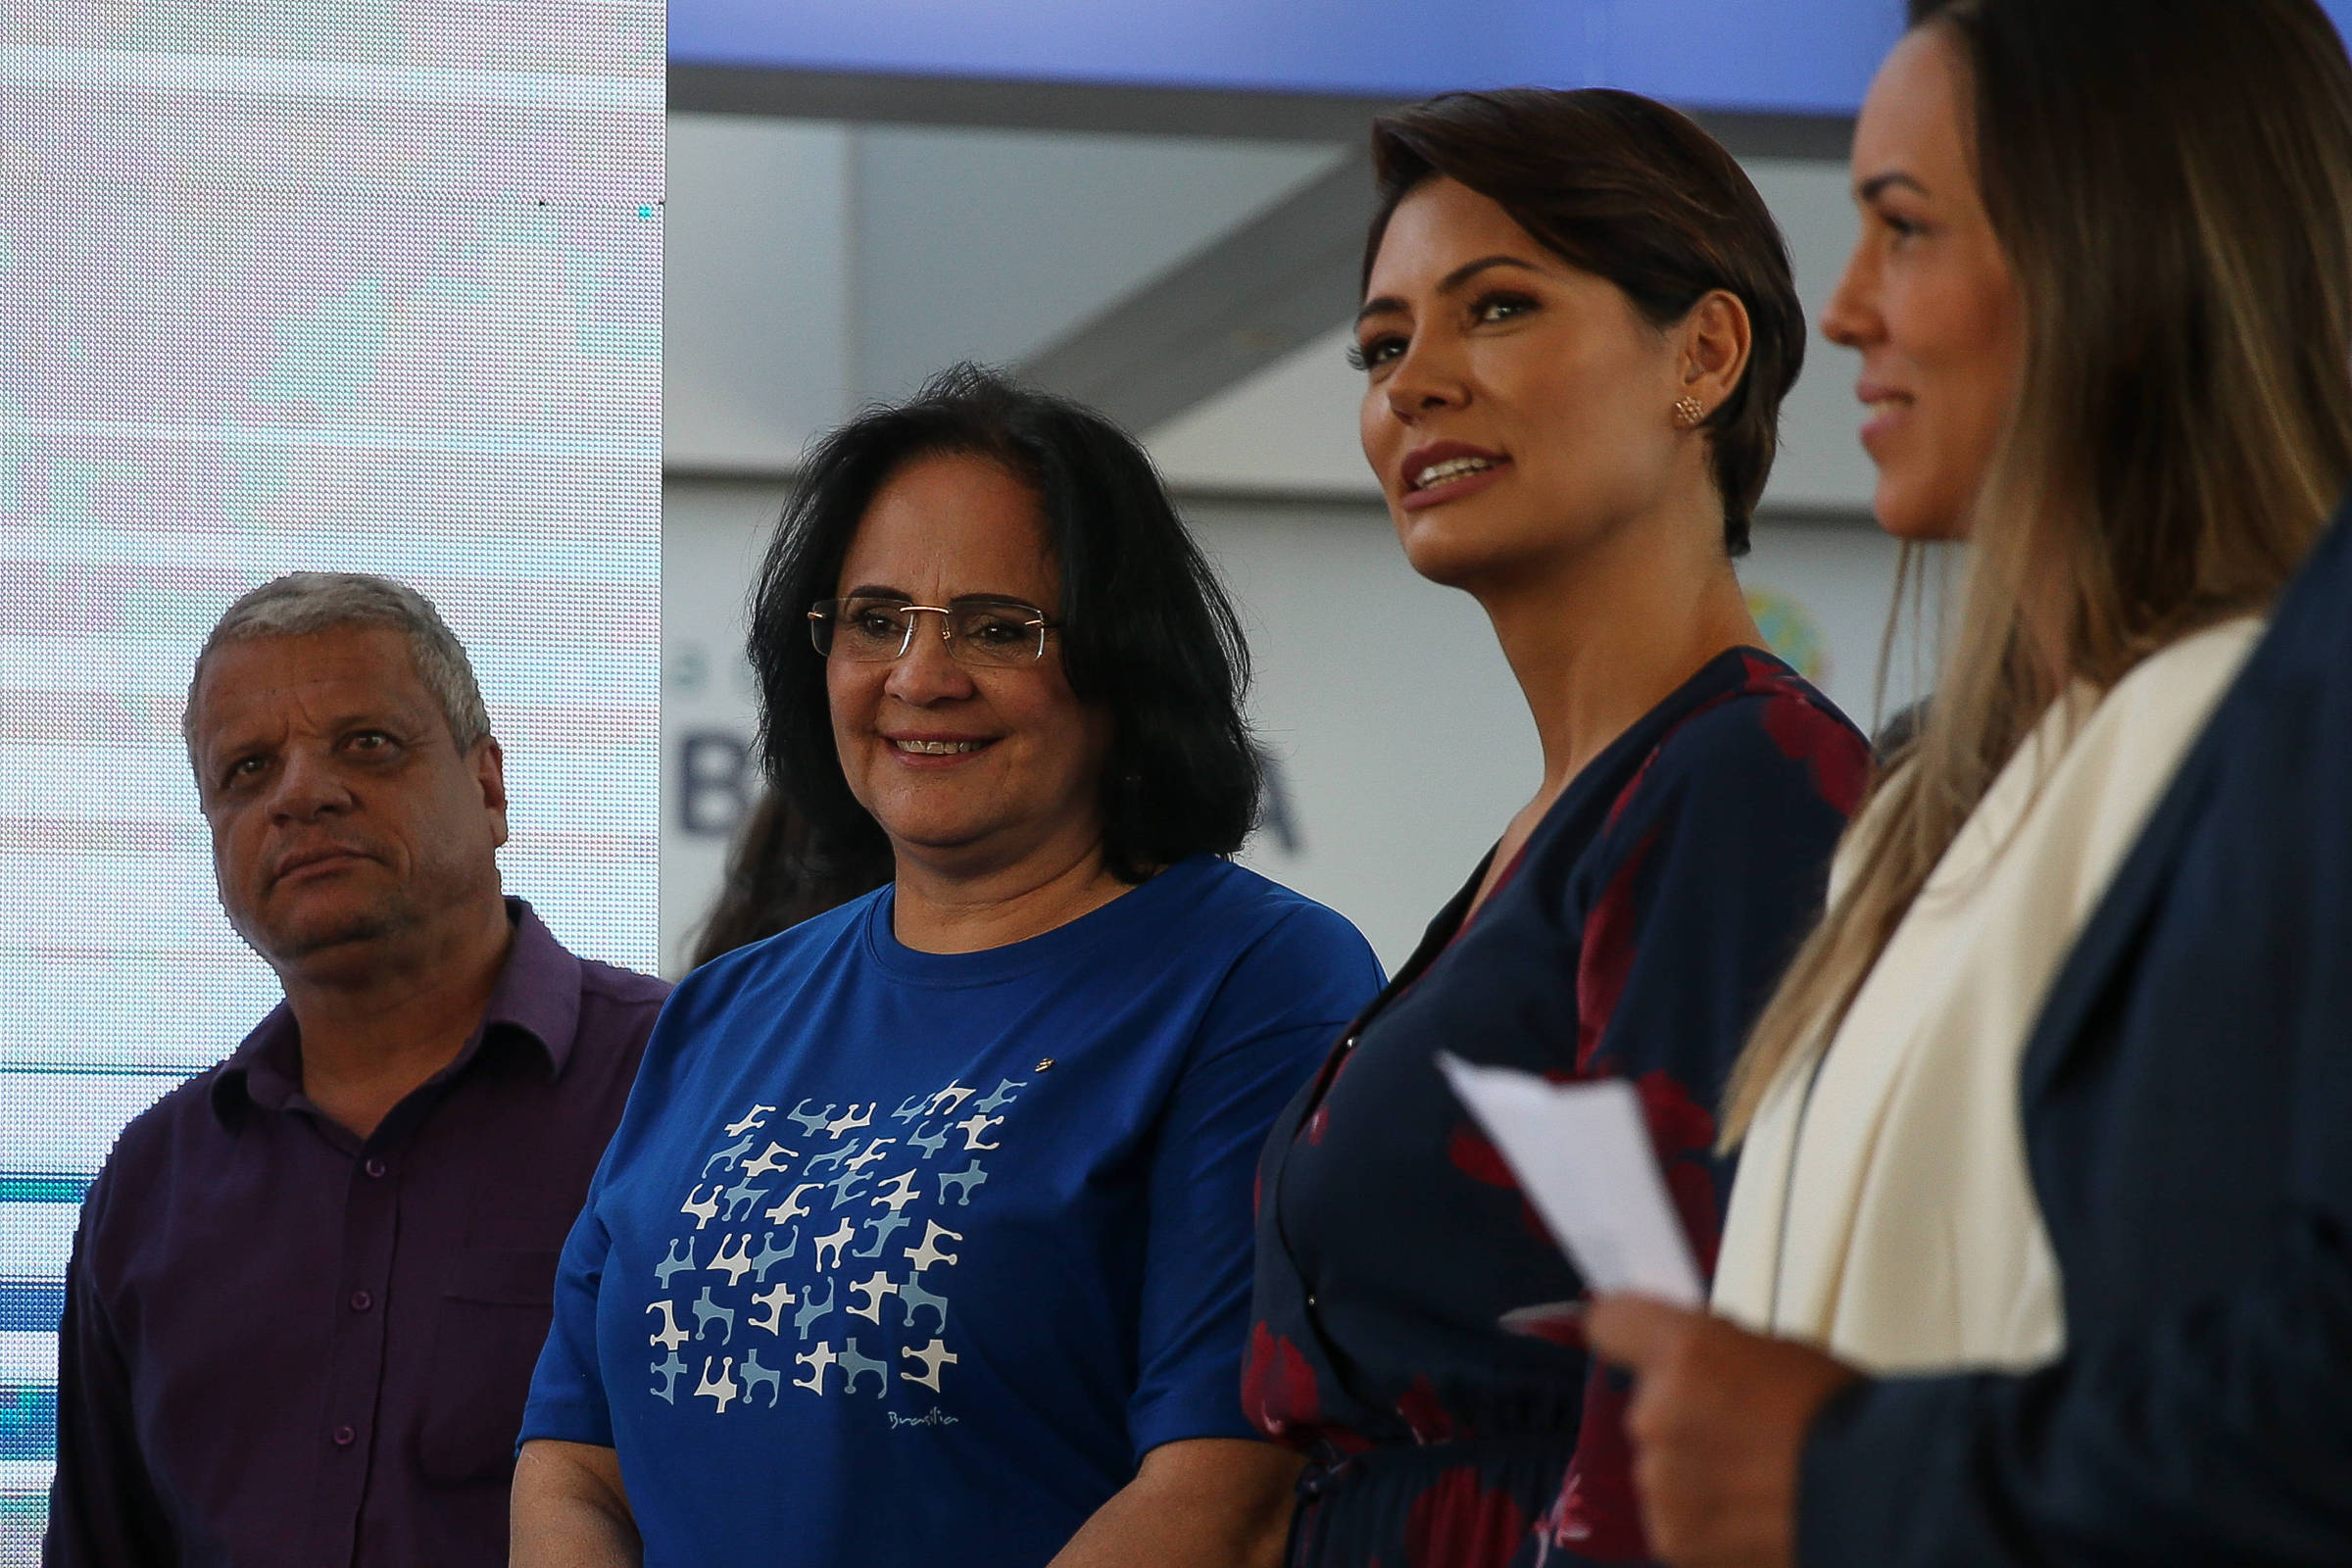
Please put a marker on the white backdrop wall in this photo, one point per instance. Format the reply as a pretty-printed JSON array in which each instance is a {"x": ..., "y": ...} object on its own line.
[
  {"x": 1401, "y": 741},
  {"x": 812, "y": 266}
]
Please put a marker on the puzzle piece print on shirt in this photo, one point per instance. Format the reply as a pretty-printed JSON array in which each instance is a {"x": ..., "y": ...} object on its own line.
[
  {"x": 757, "y": 1376},
  {"x": 733, "y": 1259},
  {"x": 768, "y": 1160},
  {"x": 913, "y": 1297},
  {"x": 885, "y": 1226},
  {"x": 855, "y": 1366},
  {"x": 723, "y": 1387},
  {"x": 962, "y": 1181},
  {"x": 929, "y": 1251},
  {"x": 999, "y": 1097},
  {"x": 729, "y": 1157},
  {"x": 897, "y": 1192},
  {"x": 933, "y": 1356},
  {"x": 727, "y": 1286},
  {"x": 850, "y": 1119},
  {"x": 676, "y": 1263},
  {"x": 775, "y": 1300},
  {"x": 771, "y": 1254},
  {"x": 792, "y": 1207},
  {"x": 740, "y": 1198},
  {"x": 833, "y": 1244},
  {"x": 873, "y": 1288}
]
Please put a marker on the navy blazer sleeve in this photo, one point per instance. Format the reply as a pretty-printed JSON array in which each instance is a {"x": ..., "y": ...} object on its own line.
[
  {"x": 2197, "y": 1045},
  {"x": 2221, "y": 1436}
]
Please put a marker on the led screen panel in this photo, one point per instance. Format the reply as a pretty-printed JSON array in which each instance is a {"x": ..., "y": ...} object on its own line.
[
  {"x": 1787, "y": 57},
  {"x": 1808, "y": 56},
  {"x": 365, "y": 285}
]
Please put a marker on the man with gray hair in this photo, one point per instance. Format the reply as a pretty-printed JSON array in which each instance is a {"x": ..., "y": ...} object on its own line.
[{"x": 310, "y": 1285}]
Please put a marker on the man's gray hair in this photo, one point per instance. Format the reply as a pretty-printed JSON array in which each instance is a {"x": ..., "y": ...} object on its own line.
[{"x": 300, "y": 604}]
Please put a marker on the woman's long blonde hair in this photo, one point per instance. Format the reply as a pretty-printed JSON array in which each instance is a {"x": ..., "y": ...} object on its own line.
[{"x": 2171, "y": 181}]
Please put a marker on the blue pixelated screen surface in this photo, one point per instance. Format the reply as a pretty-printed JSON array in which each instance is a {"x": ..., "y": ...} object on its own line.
[
  {"x": 1785, "y": 57},
  {"x": 1794, "y": 55},
  {"x": 345, "y": 284}
]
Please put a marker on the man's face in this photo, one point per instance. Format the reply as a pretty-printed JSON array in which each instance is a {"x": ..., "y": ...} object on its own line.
[{"x": 342, "y": 813}]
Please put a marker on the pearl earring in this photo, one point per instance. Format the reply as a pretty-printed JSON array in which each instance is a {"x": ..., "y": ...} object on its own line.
[{"x": 1687, "y": 411}]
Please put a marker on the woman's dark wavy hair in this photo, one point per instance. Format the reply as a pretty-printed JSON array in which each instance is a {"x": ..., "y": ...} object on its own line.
[
  {"x": 771, "y": 886},
  {"x": 1633, "y": 191},
  {"x": 1145, "y": 629}
]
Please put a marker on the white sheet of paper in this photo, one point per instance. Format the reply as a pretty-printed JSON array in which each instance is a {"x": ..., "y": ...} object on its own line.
[{"x": 1583, "y": 1157}]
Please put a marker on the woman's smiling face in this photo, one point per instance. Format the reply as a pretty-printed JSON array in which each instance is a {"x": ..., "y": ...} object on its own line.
[
  {"x": 971, "y": 769},
  {"x": 1928, "y": 297},
  {"x": 1514, "y": 404}
]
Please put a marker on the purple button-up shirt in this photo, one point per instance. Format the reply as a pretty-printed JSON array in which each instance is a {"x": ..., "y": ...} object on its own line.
[{"x": 284, "y": 1345}]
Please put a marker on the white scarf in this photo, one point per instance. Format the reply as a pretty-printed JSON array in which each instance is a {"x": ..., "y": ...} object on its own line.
[{"x": 1883, "y": 1209}]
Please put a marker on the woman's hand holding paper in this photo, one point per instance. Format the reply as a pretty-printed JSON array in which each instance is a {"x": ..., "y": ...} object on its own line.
[{"x": 1718, "y": 1421}]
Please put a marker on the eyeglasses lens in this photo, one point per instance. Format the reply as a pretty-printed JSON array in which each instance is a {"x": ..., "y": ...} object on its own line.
[
  {"x": 879, "y": 631},
  {"x": 997, "y": 634}
]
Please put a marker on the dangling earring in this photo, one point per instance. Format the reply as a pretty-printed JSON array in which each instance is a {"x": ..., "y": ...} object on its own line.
[{"x": 1687, "y": 411}]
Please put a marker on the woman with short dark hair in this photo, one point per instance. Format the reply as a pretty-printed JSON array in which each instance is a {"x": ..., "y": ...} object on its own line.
[
  {"x": 925, "y": 1236},
  {"x": 1578, "y": 325}
]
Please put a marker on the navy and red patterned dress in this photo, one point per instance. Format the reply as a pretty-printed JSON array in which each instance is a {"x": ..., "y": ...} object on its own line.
[{"x": 1637, "y": 935}]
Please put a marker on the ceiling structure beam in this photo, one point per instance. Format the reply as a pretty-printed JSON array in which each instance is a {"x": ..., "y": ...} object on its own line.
[
  {"x": 1275, "y": 283},
  {"x": 1134, "y": 109},
  {"x": 982, "y": 103}
]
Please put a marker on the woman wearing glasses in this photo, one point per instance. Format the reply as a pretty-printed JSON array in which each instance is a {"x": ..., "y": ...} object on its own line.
[
  {"x": 1578, "y": 324},
  {"x": 925, "y": 1236}
]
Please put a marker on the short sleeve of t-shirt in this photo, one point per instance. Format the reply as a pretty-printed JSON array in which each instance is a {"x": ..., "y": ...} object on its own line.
[
  {"x": 1262, "y": 1037},
  {"x": 568, "y": 1392}
]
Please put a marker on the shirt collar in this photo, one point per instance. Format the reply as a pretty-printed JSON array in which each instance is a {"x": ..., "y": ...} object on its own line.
[{"x": 537, "y": 998}]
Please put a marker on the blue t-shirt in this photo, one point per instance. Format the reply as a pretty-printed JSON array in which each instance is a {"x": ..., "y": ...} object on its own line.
[{"x": 904, "y": 1256}]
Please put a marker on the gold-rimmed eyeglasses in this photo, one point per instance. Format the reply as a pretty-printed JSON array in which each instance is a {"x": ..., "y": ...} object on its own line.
[{"x": 980, "y": 630}]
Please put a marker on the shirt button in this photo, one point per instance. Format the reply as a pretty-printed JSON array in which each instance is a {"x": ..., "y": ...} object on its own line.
[
  {"x": 360, "y": 1301},
  {"x": 345, "y": 1436},
  {"x": 375, "y": 1168},
  {"x": 1312, "y": 1303}
]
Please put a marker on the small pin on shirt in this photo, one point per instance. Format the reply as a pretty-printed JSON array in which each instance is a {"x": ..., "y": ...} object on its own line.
[{"x": 1043, "y": 1062}]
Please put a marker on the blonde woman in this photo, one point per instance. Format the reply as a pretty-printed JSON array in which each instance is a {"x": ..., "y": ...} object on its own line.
[{"x": 2046, "y": 1255}]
